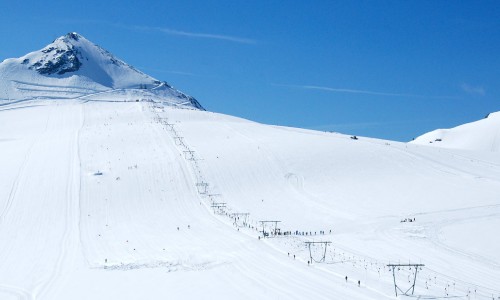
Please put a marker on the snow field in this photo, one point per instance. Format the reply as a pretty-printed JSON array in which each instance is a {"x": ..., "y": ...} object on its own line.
[
  {"x": 60, "y": 246},
  {"x": 99, "y": 200}
]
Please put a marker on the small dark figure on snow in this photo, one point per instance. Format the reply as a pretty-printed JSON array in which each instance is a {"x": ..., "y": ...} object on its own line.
[
  {"x": 346, "y": 279},
  {"x": 359, "y": 282}
]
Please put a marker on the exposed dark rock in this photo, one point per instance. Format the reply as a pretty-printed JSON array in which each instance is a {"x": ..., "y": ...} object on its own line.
[
  {"x": 195, "y": 103},
  {"x": 73, "y": 35},
  {"x": 64, "y": 61}
]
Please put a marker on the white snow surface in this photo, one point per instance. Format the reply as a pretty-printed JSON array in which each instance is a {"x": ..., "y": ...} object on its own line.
[
  {"x": 113, "y": 200},
  {"x": 482, "y": 135},
  {"x": 72, "y": 67}
]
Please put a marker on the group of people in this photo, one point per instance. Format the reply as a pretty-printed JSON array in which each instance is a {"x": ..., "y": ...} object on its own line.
[
  {"x": 322, "y": 232},
  {"x": 407, "y": 220}
]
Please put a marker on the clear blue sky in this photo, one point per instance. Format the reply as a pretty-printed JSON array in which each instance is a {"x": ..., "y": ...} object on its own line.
[{"x": 386, "y": 69}]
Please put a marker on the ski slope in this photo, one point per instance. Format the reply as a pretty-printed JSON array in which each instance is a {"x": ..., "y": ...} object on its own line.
[{"x": 102, "y": 199}]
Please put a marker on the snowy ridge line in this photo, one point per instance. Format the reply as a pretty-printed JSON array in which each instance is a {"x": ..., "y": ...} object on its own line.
[{"x": 480, "y": 135}]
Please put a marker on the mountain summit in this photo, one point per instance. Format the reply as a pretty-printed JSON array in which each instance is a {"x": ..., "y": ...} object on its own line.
[{"x": 73, "y": 67}]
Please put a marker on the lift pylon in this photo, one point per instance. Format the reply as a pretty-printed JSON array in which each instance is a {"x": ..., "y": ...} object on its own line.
[
  {"x": 396, "y": 286},
  {"x": 323, "y": 258}
]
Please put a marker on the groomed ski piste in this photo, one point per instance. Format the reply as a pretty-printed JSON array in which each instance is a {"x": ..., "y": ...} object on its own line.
[{"x": 120, "y": 195}]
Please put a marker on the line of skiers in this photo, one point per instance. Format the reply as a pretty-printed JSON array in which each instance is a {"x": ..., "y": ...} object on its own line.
[{"x": 296, "y": 232}]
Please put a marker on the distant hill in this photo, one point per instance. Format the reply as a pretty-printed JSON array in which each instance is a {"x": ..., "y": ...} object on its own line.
[{"x": 482, "y": 135}]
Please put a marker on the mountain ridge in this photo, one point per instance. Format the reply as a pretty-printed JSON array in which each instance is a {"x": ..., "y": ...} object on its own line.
[
  {"x": 74, "y": 67},
  {"x": 481, "y": 135}
]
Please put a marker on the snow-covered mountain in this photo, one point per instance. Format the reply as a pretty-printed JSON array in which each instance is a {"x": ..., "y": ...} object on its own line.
[
  {"x": 482, "y": 135},
  {"x": 72, "y": 67},
  {"x": 114, "y": 198}
]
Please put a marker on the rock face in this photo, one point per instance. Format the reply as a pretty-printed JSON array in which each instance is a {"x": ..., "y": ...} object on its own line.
[
  {"x": 58, "y": 61},
  {"x": 73, "y": 67}
]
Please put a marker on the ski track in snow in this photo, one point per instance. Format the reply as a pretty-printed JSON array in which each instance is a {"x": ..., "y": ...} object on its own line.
[
  {"x": 69, "y": 243},
  {"x": 14, "y": 188}
]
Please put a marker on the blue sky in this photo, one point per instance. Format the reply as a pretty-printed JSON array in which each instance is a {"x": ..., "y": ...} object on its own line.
[{"x": 386, "y": 69}]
